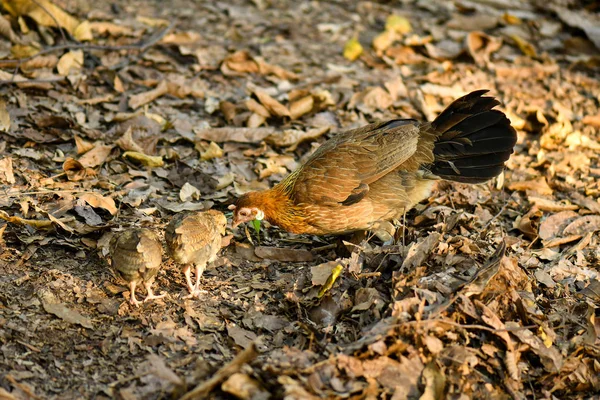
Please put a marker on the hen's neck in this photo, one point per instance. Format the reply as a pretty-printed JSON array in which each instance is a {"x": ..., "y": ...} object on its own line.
[{"x": 280, "y": 209}]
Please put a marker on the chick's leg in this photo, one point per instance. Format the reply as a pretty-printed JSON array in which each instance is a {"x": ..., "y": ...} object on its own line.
[
  {"x": 187, "y": 271},
  {"x": 151, "y": 295},
  {"x": 132, "y": 298},
  {"x": 195, "y": 291}
]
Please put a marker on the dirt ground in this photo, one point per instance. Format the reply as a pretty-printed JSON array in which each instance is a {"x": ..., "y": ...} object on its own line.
[{"x": 491, "y": 291}]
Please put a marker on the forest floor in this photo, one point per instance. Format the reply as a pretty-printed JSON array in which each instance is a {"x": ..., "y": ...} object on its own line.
[{"x": 492, "y": 291}]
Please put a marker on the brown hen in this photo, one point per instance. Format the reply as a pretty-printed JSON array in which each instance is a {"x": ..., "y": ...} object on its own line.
[
  {"x": 195, "y": 239},
  {"x": 363, "y": 177},
  {"x": 136, "y": 255}
]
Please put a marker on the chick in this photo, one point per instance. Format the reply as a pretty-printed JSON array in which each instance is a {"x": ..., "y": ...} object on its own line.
[
  {"x": 136, "y": 256},
  {"x": 195, "y": 239}
]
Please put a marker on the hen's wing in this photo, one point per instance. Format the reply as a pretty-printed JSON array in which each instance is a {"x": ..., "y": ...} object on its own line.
[{"x": 340, "y": 171}]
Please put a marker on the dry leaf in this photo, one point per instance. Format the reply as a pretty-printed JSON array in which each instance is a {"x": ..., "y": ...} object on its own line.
[
  {"x": 301, "y": 107},
  {"x": 274, "y": 107},
  {"x": 140, "y": 99},
  {"x": 73, "y": 60},
  {"x": 4, "y": 117},
  {"x": 383, "y": 41},
  {"x": 96, "y": 156},
  {"x": 76, "y": 171},
  {"x": 257, "y": 108},
  {"x": 293, "y": 137},
  {"x": 96, "y": 200},
  {"x": 231, "y": 134},
  {"x": 146, "y": 160},
  {"x": 6, "y": 171},
  {"x": 480, "y": 46},
  {"x": 283, "y": 254},
  {"x": 589, "y": 223},
  {"x": 526, "y": 47},
  {"x": 398, "y": 24},
  {"x": 212, "y": 151},
  {"x": 352, "y": 49},
  {"x": 43, "y": 12},
  {"x": 189, "y": 192},
  {"x": 82, "y": 145},
  {"x": 538, "y": 185},
  {"x": 83, "y": 32},
  {"x": 68, "y": 315}
]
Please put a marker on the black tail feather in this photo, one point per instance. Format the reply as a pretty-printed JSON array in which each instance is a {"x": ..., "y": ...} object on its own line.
[{"x": 474, "y": 140}]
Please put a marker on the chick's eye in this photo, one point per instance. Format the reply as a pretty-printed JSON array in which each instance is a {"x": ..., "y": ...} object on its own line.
[{"x": 244, "y": 213}]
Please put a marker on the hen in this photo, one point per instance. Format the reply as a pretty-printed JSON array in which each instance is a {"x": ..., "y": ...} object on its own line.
[
  {"x": 136, "y": 256},
  {"x": 195, "y": 239},
  {"x": 366, "y": 176}
]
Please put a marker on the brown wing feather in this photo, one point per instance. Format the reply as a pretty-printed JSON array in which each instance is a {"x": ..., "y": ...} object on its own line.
[{"x": 346, "y": 164}]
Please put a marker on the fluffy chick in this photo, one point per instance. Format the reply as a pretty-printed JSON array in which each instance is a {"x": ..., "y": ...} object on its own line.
[
  {"x": 195, "y": 239},
  {"x": 136, "y": 255}
]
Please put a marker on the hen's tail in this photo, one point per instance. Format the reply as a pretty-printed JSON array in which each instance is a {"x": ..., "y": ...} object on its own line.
[{"x": 474, "y": 141}]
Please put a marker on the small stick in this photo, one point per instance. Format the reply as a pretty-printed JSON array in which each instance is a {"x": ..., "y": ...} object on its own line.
[
  {"x": 203, "y": 389},
  {"x": 140, "y": 46}
]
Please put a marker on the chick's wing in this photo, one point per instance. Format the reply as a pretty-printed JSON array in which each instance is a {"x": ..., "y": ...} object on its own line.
[{"x": 340, "y": 171}]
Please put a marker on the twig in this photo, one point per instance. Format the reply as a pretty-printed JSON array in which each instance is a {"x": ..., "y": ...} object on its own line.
[
  {"x": 140, "y": 46},
  {"x": 467, "y": 326},
  {"x": 32, "y": 81},
  {"x": 203, "y": 389}
]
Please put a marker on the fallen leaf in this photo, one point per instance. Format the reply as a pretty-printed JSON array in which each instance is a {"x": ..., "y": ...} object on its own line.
[
  {"x": 83, "y": 32},
  {"x": 140, "y": 158},
  {"x": 6, "y": 171},
  {"x": 189, "y": 192},
  {"x": 526, "y": 47},
  {"x": 231, "y": 134},
  {"x": 4, "y": 117},
  {"x": 589, "y": 223},
  {"x": 352, "y": 49},
  {"x": 96, "y": 200},
  {"x": 212, "y": 151},
  {"x": 301, "y": 107},
  {"x": 73, "y": 60},
  {"x": 419, "y": 252},
  {"x": 335, "y": 273},
  {"x": 480, "y": 46},
  {"x": 43, "y": 12},
  {"x": 67, "y": 314},
  {"x": 274, "y": 107},
  {"x": 293, "y": 137},
  {"x": 242, "y": 337},
  {"x": 538, "y": 185},
  {"x": 398, "y": 24},
  {"x": 553, "y": 225},
  {"x": 243, "y": 387},
  {"x": 283, "y": 254},
  {"x": 96, "y": 156},
  {"x": 138, "y": 100}
]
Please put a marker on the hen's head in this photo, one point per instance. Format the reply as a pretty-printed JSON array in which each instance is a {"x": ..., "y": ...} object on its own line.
[{"x": 247, "y": 208}]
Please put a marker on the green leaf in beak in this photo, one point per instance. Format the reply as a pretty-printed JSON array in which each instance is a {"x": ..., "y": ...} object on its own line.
[{"x": 256, "y": 225}]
